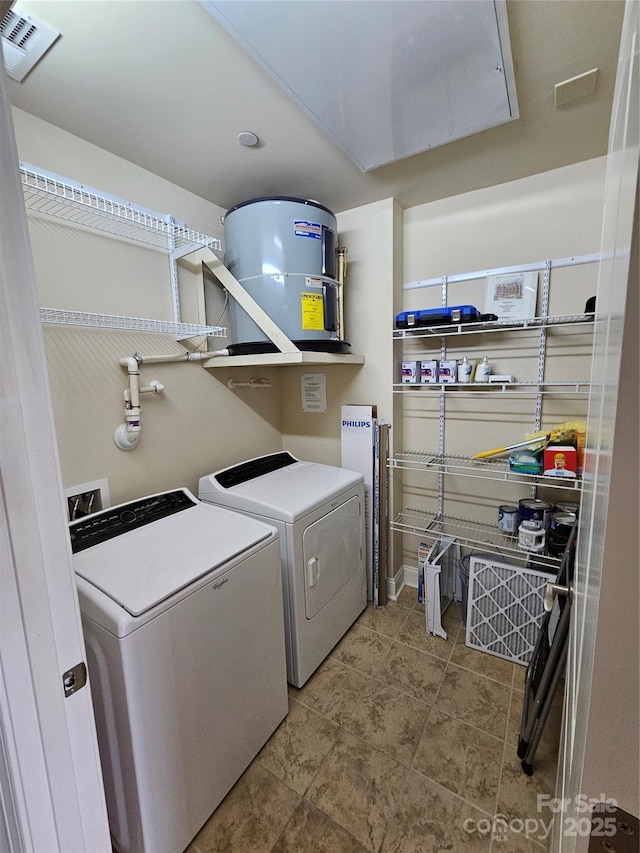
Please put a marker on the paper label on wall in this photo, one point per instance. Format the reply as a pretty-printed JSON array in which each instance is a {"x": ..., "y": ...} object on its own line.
[
  {"x": 312, "y": 305},
  {"x": 301, "y": 228},
  {"x": 314, "y": 392}
]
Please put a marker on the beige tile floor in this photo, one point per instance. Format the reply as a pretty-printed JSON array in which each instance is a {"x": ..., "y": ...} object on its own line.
[{"x": 400, "y": 742}]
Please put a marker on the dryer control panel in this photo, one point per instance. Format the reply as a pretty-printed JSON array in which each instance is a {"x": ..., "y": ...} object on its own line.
[
  {"x": 253, "y": 468},
  {"x": 93, "y": 529}
]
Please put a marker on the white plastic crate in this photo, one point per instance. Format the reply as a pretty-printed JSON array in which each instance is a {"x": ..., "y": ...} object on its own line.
[{"x": 505, "y": 608}]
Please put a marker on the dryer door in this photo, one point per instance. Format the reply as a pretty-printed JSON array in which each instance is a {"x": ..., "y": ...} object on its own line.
[{"x": 332, "y": 554}]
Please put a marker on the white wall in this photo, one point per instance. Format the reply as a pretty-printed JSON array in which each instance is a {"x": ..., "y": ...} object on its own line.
[
  {"x": 373, "y": 237},
  {"x": 198, "y": 424},
  {"x": 550, "y": 215},
  {"x": 44, "y": 145}
]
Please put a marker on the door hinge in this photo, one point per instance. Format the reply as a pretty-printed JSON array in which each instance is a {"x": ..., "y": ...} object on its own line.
[
  {"x": 613, "y": 830},
  {"x": 74, "y": 679}
]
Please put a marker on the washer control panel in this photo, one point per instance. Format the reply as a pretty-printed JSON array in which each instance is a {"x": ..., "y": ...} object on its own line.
[{"x": 104, "y": 525}]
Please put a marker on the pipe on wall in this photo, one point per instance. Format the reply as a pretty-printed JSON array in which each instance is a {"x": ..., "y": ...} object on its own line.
[{"x": 126, "y": 436}]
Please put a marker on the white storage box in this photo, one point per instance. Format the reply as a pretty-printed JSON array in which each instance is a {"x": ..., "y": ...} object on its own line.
[
  {"x": 428, "y": 372},
  {"x": 357, "y": 443},
  {"x": 411, "y": 372}
]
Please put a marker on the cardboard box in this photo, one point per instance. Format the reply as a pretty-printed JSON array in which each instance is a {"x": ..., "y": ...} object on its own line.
[
  {"x": 447, "y": 370},
  {"x": 428, "y": 372},
  {"x": 560, "y": 461},
  {"x": 411, "y": 371},
  {"x": 357, "y": 442}
]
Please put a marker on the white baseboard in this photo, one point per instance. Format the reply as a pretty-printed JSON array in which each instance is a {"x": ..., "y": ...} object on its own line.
[
  {"x": 410, "y": 576},
  {"x": 407, "y": 576}
]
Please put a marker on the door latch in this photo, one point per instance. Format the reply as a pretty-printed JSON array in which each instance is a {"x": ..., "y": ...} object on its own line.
[{"x": 74, "y": 679}]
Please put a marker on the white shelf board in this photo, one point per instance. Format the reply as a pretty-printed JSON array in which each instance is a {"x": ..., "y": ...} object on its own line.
[
  {"x": 62, "y": 198},
  {"x": 569, "y": 387},
  {"x": 128, "y": 324},
  {"x": 482, "y": 469},
  {"x": 283, "y": 359},
  {"x": 533, "y": 324},
  {"x": 470, "y": 533}
]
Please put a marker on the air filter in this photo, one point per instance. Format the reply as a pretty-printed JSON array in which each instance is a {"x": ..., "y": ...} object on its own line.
[{"x": 505, "y": 608}]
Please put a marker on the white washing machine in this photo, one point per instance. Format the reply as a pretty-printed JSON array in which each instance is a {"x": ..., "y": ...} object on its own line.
[
  {"x": 319, "y": 513},
  {"x": 182, "y": 613}
]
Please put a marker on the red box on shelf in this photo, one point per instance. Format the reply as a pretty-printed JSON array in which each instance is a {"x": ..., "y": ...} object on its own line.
[{"x": 560, "y": 461}]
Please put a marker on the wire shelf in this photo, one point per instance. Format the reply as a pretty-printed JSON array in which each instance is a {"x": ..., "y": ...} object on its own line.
[
  {"x": 470, "y": 533},
  {"x": 51, "y": 195},
  {"x": 534, "y": 323},
  {"x": 487, "y": 469},
  {"x": 129, "y": 324},
  {"x": 524, "y": 389}
]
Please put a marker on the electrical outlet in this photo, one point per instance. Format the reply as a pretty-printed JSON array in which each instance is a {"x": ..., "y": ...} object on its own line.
[{"x": 87, "y": 499}]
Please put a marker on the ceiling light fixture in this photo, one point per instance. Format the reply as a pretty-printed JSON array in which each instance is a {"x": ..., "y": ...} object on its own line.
[{"x": 247, "y": 138}]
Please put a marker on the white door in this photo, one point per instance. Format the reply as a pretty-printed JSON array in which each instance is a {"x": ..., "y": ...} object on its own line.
[
  {"x": 51, "y": 793},
  {"x": 620, "y": 196}
]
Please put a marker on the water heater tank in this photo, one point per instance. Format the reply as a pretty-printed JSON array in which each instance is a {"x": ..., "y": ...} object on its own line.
[{"x": 283, "y": 252}]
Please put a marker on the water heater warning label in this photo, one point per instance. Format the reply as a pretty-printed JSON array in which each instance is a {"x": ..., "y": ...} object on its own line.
[
  {"x": 307, "y": 229},
  {"x": 312, "y": 305}
]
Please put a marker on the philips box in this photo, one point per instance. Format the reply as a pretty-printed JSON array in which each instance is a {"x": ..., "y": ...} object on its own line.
[
  {"x": 357, "y": 439},
  {"x": 411, "y": 372},
  {"x": 428, "y": 372},
  {"x": 447, "y": 370}
]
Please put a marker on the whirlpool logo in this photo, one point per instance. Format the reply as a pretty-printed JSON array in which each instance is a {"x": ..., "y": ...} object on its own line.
[
  {"x": 359, "y": 424},
  {"x": 220, "y": 584}
]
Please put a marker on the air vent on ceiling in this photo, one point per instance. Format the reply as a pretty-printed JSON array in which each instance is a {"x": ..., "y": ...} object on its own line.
[{"x": 24, "y": 42}]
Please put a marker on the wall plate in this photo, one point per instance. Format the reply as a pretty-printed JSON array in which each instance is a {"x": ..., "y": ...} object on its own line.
[{"x": 87, "y": 498}]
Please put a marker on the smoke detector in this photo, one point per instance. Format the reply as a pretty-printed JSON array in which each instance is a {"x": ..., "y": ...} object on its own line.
[
  {"x": 247, "y": 138},
  {"x": 24, "y": 42}
]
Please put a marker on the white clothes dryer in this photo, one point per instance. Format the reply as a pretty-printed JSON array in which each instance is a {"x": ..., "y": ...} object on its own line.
[
  {"x": 181, "y": 607},
  {"x": 319, "y": 513}
]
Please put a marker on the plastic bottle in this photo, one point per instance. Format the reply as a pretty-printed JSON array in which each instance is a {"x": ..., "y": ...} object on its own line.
[
  {"x": 464, "y": 370},
  {"x": 483, "y": 371}
]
